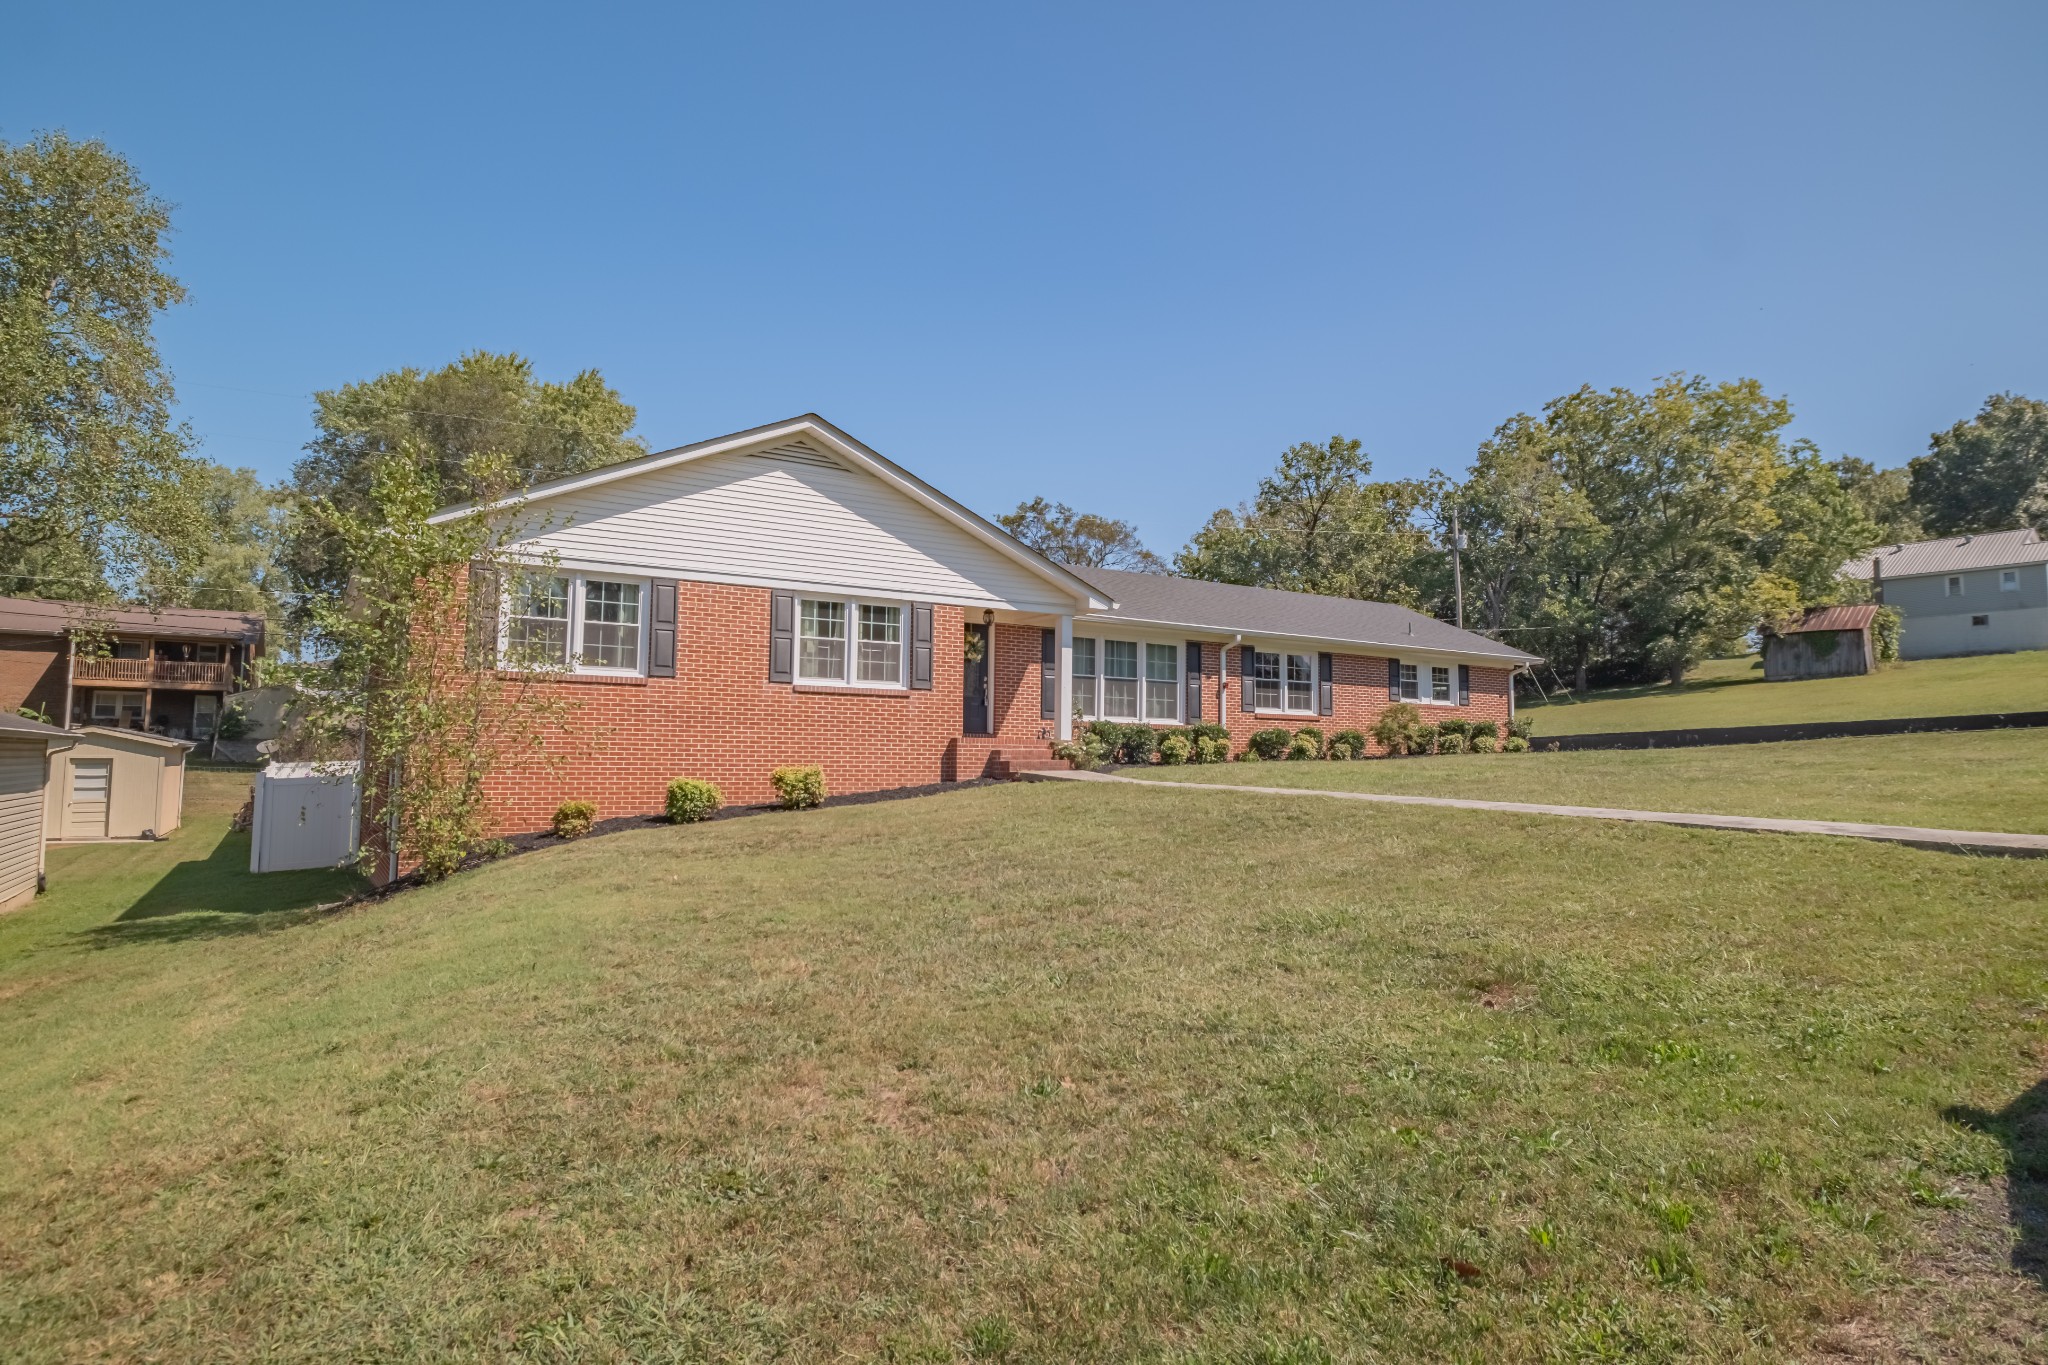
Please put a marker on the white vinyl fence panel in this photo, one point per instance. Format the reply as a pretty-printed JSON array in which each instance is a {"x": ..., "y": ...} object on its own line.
[{"x": 305, "y": 816}]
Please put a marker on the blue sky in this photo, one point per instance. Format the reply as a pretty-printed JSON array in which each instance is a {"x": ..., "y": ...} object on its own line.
[{"x": 1117, "y": 255}]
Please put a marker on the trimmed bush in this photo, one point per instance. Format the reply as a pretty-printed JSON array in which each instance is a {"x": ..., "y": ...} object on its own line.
[
  {"x": 1522, "y": 727},
  {"x": 1350, "y": 739},
  {"x": 1395, "y": 726},
  {"x": 1422, "y": 739},
  {"x": 1212, "y": 748},
  {"x": 1491, "y": 729},
  {"x": 1133, "y": 743},
  {"x": 1209, "y": 729},
  {"x": 1175, "y": 749},
  {"x": 1341, "y": 750},
  {"x": 1304, "y": 746},
  {"x": 573, "y": 819},
  {"x": 799, "y": 787},
  {"x": 1269, "y": 743},
  {"x": 1085, "y": 750},
  {"x": 1484, "y": 744},
  {"x": 1461, "y": 728},
  {"x": 1315, "y": 734},
  {"x": 1516, "y": 744},
  {"x": 691, "y": 800},
  {"x": 1450, "y": 744}
]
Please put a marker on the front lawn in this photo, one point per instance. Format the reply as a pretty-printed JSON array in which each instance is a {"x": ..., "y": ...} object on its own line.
[
  {"x": 1988, "y": 780},
  {"x": 1052, "y": 1073},
  {"x": 1733, "y": 692}
]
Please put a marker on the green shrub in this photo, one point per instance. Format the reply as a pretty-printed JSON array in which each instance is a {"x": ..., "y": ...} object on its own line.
[
  {"x": 1451, "y": 744},
  {"x": 1483, "y": 744},
  {"x": 1394, "y": 729},
  {"x": 1341, "y": 751},
  {"x": 1516, "y": 744},
  {"x": 1133, "y": 743},
  {"x": 1250, "y": 756},
  {"x": 1175, "y": 749},
  {"x": 1490, "y": 729},
  {"x": 573, "y": 819},
  {"x": 1422, "y": 739},
  {"x": 1885, "y": 630},
  {"x": 1351, "y": 739},
  {"x": 1085, "y": 750},
  {"x": 233, "y": 723},
  {"x": 1209, "y": 729},
  {"x": 1212, "y": 748},
  {"x": 1269, "y": 743},
  {"x": 799, "y": 787},
  {"x": 1315, "y": 734},
  {"x": 1304, "y": 746},
  {"x": 1522, "y": 727},
  {"x": 691, "y": 800},
  {"x": 1461, "y": 728}
]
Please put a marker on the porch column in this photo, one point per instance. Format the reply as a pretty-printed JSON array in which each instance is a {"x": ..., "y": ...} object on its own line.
[{"x": 1063, "y": 695}]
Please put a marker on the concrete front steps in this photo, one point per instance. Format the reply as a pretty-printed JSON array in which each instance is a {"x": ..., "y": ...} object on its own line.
[{"x": 1014, "y": 761}]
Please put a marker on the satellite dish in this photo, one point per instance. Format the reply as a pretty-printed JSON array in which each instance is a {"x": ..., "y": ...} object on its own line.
[{"x": 266, "y": 747}]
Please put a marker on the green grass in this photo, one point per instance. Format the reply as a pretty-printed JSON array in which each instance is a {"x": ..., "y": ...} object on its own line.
[
  {"x": 1045, "y": 1073},
  {"x": 1991, "y": 780},
  {"x": 1733, "y": 692}
]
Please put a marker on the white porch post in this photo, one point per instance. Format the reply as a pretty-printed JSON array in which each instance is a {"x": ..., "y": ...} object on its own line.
[{"x": 1063, "y": 695}]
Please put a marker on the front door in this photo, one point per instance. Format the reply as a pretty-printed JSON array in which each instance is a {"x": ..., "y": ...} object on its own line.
[{"x": 974, "y": 683}]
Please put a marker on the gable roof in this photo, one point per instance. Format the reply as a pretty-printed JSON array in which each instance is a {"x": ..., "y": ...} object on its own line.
[
  {"x": 1194, "y": 604},
  {"x": 1956, "y": 554},
  {"x": 842, "y": 446},
  {"x": 36, "y": 616}
]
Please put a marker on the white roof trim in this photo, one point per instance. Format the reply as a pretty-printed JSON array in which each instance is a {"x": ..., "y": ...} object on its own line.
[{"x": 842, "y": 445}]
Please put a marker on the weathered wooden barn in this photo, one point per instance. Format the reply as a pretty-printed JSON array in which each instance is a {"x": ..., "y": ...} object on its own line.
[{"x": 1828, "y": 642}]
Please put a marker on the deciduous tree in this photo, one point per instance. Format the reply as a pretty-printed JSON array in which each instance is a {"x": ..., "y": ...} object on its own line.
[
  {"x": 1082, "y": 539},
  {"x": 1976, "y": 474}
]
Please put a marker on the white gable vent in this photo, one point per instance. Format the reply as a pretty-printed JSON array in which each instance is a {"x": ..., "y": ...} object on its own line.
[{"x": 796, "y": 452}]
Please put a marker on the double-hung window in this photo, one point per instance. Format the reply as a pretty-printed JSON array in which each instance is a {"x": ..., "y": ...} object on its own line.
[
  {"x": 1126, "y": 680},
  {"x": 1283, "y": 682},
  {"x": 1084, "y": 678},
  {"x": 1440, "y": 684},
  {"x": 1162, "y": 682},
  {"x": 1953, "y": 586},
  {"x": 2008, "y": 580},
  {"x": 1119, "y": 680},
  {"x": 856, "y": 644},
  {"x": 584, "y": 623}
]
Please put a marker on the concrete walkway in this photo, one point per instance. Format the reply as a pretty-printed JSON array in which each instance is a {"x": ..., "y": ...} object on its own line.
[{"x": 1946, "y": 840}]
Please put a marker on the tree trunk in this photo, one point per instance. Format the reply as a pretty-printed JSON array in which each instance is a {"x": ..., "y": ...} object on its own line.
[
  {"x": 1579, "y": 681},
  {"x": 1677, "y": 673}
]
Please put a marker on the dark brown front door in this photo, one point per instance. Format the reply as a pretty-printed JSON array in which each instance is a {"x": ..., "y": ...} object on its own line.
[{"x": 974, "y": 683}]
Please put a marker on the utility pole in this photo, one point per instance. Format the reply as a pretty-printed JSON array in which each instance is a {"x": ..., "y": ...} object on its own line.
[{"x": 1458, "y": 566}]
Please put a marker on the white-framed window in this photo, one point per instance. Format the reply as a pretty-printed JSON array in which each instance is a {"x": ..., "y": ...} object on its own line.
[
  {"x": 849, "y": 643},
  {"x": 1084, "y": 678},
  {"x": 1127, "y": 680},
  {"x": 1954, "y": 586},
  {"x": 116, "y": 708},
  {"x": 2008, "y": 580},
  {"x": 128, "y": 649},
  {"x": 1440, "y": 684},
  {"x": 588, "y": 623},
  {"x": 205, "y": 715},
  {"x": 1411, "y": 682},
  {"x": 1429, "y": 684},
  {"x": 1283, "y": 682},
  {"x": 207, "y": 653}
]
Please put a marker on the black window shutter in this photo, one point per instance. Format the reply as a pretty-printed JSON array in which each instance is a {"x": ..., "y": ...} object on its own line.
[
  {"x": 1245, "y": 677},
  {"x": 1393, "y": 680},
  {"x": 1048, "y": 674},
  {"x": 782, "y": 637},
  {"x": 1326, "y": 684},
  {"x": 661, "y": 650},
  {"x": 481, "y": 646},
  {"x": 1464, "y": 684},
  {"x": 1194, "y": 681},
  {"x": 921, "y": 646}
]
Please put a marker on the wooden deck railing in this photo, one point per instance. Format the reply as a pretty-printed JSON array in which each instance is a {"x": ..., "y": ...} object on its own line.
[{"x": 154, "y": 673}]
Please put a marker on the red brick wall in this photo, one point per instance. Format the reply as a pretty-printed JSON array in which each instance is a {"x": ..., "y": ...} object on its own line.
[
  {"x": 720, "y": 718},
  {"x": 1361, "y": 695},
  {"x": 32, "y": 673}
]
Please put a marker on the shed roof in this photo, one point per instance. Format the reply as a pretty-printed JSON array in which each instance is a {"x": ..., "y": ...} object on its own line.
[
  {"x": 21, "y": 727},
  {"x": 108, "y": 733},
  {"x": 1194, "y": 604},
  {"x": 37, "y": 616},
  {"x": 1956, "y": 554},
  {"x": 1831, "y": 618}
]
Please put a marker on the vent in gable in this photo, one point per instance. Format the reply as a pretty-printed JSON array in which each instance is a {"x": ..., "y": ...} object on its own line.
[{"x": 796, "y": 452}]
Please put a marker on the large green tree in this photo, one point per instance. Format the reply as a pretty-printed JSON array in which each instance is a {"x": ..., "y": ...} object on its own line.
[
  {"x": 1319, "y": 523},
  {"x": 446, "y": 420},
  {"x": 1976, "y": 475},
  {"x": 94, "y": 475},
  {"x": 1082, "y": 539},
  {"x": 236, "y": 568}
]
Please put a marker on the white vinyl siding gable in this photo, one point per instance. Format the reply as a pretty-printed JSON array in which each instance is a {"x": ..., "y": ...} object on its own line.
[
  {"x": 791, "y": 515},
  {"x": 21, "y": 817}
]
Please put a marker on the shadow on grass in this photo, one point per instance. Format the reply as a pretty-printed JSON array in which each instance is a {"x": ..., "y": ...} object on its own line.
[
  {"x": 217, "y": 895},
  {"x": 1565, "y": 700},
  {"x": 2022, "y": 1127}
]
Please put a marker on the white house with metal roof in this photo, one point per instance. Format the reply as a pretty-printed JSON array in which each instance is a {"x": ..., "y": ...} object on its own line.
[{"x": 1975, "y": 594}]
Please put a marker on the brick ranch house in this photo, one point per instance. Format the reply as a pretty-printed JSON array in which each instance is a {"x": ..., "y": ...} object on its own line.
[{"x": 787, "y": 595}]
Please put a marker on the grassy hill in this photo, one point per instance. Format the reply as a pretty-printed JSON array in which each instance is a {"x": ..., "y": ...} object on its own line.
[
  {"x": 1040, "y": 1073},
  {"x": 1733, "y": 692}
]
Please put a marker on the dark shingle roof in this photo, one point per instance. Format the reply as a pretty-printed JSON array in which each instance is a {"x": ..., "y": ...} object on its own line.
[
  {"x": 1161, "y": 599},
  {"x": 37, "y": 616}
]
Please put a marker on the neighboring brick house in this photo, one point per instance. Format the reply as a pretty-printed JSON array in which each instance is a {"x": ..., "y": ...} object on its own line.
[
  {"x": 787, "y": 595},
  {"x": 168, "y": 671}
]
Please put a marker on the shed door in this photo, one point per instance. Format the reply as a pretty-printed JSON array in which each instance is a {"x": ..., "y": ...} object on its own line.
[{"x": 85, "y": 805}]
